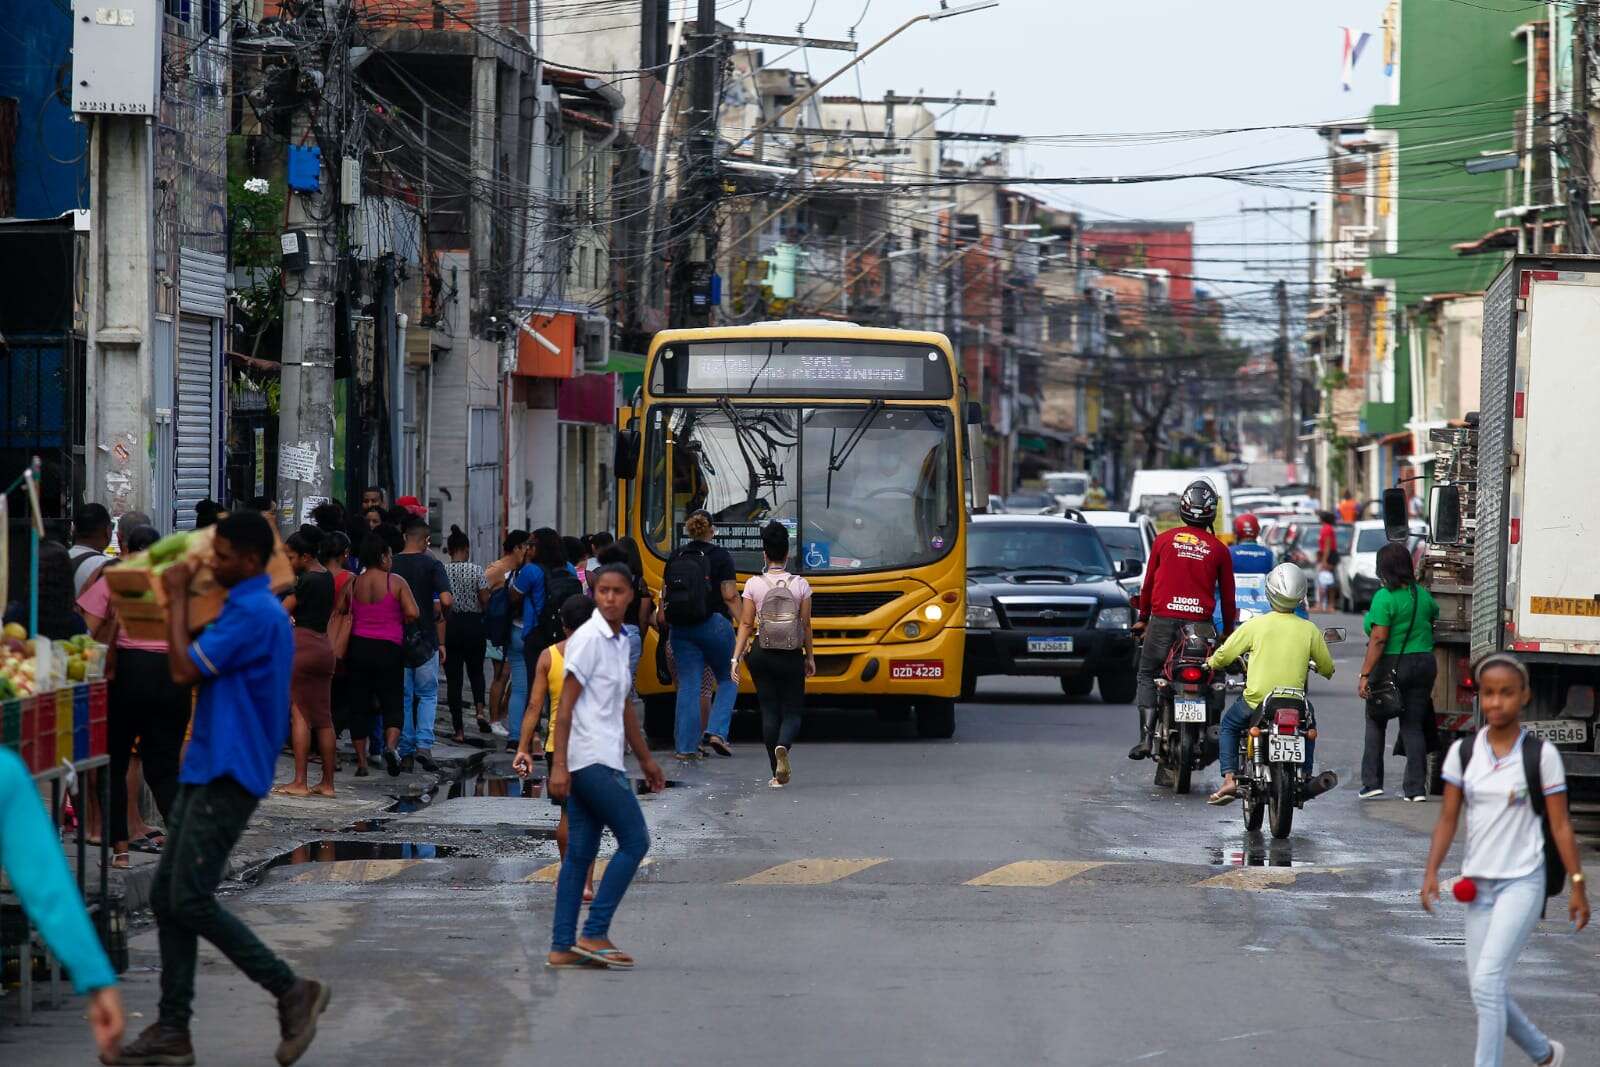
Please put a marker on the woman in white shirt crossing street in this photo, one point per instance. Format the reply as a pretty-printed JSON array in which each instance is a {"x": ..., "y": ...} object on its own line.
[{"x": 1504, "y": 870}]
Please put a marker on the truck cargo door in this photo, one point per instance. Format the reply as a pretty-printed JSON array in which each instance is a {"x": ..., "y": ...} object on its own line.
[{"x": 1557, "y": 568}]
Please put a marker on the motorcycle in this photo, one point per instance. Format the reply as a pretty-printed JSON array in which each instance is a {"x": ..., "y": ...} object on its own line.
[
  {"x": 1272, "y": 766},
  {"x": 1189, "y": 704}
]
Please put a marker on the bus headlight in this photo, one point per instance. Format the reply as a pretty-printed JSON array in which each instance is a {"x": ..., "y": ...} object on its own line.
[
  {"x": 913, "y": 629},
  {"x": 933, "y": 612},
  {"x": 982, "y": 617},
  {"x": 1114, "y": 619}
]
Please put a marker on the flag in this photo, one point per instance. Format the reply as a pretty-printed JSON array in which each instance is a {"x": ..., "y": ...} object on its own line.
[
  {"x": 1391, "y": 34},
  {"x": 1354, "y": 43}
]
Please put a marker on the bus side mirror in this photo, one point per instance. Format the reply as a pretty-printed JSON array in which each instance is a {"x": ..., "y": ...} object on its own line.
[
  {"x": 1396, "y": 523},
  {"x": 1444, "y": 514},
  {"x": 626, "y": 456}
]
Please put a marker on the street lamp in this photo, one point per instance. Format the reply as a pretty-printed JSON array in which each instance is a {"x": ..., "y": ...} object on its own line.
[{"x": 944, "y": 12}]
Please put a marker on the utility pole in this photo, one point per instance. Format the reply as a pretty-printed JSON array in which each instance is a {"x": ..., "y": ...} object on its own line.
[
  {"x": 306, "y": 409},
  {"x": 695, "y": 218},
  {"x": 1286, "y": 373},
  {"x": 1580, "y": 141}
]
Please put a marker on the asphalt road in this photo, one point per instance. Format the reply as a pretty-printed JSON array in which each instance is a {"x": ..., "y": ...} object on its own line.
[{"x": 1022, "y": 894}]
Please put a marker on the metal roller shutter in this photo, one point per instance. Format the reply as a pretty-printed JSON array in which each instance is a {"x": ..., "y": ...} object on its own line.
[{"x": 194, "y": 470}]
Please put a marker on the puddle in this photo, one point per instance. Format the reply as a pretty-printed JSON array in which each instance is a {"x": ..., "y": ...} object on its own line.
[
  {"x": 1254, "y": 854},
  {"x": 335, "y": 851},
  {"x": 493, "y": 783},
  {"x": 407, "y": 804},
  {"x": 368, "y": 826}
]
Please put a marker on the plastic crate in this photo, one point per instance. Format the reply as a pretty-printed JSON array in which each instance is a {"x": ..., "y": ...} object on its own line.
[
  {"x": 80, "y": 742},
  {"x": 11, "y": 723},
  {"x": 30, "y": 728},
  {"x": 44, "y": 736},
  {"x": 99, "y": 742},
  {"x": 80, "y": 707},
  {"x": 99, "y": 702},
  {"x": 63, "y": 703}
]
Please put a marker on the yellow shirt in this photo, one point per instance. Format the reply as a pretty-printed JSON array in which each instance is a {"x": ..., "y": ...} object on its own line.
[
  {"x": 1280, "y": 645},
  {"x": 557, "y": 678}
]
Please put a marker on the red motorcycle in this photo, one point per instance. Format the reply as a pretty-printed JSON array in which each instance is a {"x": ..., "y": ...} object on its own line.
[{"x": 1189, "y": 704}]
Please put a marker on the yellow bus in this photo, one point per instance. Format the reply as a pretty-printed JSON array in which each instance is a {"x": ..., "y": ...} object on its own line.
[{"x": 856, "y": 439}]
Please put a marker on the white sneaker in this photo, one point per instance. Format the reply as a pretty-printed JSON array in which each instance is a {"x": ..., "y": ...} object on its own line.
[
  {"x": 1420, "y": 798},
  {"x": 498, "y": 729},
  {"x": 1370, "y": 794},
  {"x": 1558, "y": 1054}
]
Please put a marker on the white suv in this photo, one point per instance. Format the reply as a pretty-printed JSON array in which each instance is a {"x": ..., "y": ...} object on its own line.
[
  {"x": 1126, "y": 536},
  {"x": 1356, "y": 574}
]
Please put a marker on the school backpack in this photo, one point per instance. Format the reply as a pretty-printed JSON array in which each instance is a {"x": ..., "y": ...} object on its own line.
[
  {"x": 1555, "y": 870},
  {"x": 778, "y": 622},
  {"x": 559, "y": 586},
  {"x": 687, "y": 585},
  {"x": 497, "y": 616}
]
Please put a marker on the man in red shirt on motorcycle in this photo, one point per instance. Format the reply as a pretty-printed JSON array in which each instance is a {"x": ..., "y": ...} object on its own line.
[{"x": 1188, "y": 567}]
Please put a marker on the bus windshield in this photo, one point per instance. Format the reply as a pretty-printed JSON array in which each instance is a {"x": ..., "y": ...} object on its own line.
[{"x": 861, "y": 487}]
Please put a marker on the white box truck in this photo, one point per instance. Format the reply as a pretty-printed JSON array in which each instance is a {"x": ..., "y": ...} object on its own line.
[{"x": 1534, "y": 547}]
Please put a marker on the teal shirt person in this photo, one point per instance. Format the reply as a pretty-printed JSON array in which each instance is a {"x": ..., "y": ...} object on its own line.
[
  {"x": 31, "y": 856},
  {"x": 1393, "y": 608}
]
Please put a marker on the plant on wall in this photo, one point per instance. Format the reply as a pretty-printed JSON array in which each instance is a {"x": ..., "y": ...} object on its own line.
[{"x": 255, "y": 225}]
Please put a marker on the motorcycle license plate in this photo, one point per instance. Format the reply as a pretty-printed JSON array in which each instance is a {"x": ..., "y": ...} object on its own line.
[
  {"x": 923, "y": 669},
  {"x": 1560, "y": 731},
  {"x": 1050, "y": 644},
  {"x": 1286, "y": 749},
  {"x": 1189, "y": 711}
]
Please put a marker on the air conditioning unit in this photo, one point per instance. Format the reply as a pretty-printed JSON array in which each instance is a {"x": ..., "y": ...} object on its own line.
[{"x": 594, "y": 335}]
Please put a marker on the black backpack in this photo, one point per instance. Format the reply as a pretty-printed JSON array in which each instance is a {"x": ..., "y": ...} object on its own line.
[
  {"x": 497, "y": 616},
  {"x": 1555, "y": 871},
  {"x": 559, "y": 587},
  {"x": 687, "y": 585}
]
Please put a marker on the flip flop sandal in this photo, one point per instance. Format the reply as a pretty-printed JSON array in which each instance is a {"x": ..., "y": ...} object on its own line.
[
  {"x": 147, "y": 846},
  {"x": 581, "y": 964},
  {"x": 605, "y": 957},
  {"x": 121, "y": 862},
  {"x": 1219, "y": 798}
]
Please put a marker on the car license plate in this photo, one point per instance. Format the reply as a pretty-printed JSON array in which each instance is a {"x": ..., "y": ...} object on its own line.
[
  {"x": 1050, "y": 644},
  {"x": 1189, "y": 711},
  {"x": 1560, "y": 731},
  {"x": 923, "y": 669},
  {"x": 1286, "y": 749}
]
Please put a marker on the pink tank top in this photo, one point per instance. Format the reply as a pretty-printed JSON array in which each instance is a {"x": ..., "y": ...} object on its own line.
[{"x": 381, "y": 620}]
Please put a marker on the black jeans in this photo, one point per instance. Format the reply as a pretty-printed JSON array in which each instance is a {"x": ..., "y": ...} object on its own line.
[
  {"x": 147, "y": 706},
  {"x": 1415, "y": 672},
  {"x": 780, "y": 679},
  {"x": 205, "y": 824},
  {"x": 376, "y": 669},
  {"x": 464, "y": 646}
]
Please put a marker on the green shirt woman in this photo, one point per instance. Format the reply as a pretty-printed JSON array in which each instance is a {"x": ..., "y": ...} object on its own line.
[{"x": 1399, "y": 627}]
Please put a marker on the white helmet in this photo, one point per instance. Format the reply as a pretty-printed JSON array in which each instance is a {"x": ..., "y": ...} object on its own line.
[{"x": 1286, "y": 587}]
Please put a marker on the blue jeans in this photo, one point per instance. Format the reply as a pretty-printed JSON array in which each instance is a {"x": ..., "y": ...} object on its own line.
[
  {"x": 601, "y": 798},
  {"x": 421, "y": 707},
  {"x": 1499, "y": 921},
  {"x": 1234, "y": 722},
  {"x": 517, "y": 700},
  {"x": 696, "y": 647}
]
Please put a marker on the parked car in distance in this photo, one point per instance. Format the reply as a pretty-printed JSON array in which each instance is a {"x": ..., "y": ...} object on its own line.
[
  {"x": 1068, "y": 487},
  {"x": 1356, "y": 574},
  {"x": 1031, "y": 502},
  {"x": 1126, "y": 535},
  {"x": 1302, "y": 551},
  {"x": 1157, "y": 483},
  {"x": 1043, "y": 599}
]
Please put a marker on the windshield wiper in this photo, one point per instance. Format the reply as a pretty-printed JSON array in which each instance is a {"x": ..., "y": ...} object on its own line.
[{"x": 837, "y": 456}]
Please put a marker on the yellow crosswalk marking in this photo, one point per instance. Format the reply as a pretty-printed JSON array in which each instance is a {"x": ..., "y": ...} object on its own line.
[
  {"x": 808, "y": 872},
  {"x": 548, "y": 874},
  {"x": 1035, "y": 873},
  {"x": 352, "y": 871},
  {"x": 1261, "y": 879}
]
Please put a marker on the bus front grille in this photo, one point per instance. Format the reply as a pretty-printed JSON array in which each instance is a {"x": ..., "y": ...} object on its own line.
[
  {"x": 849, "y": 605},
  {"x": 833, "y": 666}
]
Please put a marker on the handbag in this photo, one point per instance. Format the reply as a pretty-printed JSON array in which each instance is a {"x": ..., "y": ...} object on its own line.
[
  {"x": 1383, "y": 690},
  {"x": 415, "y": 648}
]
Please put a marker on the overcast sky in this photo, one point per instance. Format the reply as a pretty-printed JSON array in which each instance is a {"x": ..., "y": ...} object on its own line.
[{"x": 1076, "y": 67}]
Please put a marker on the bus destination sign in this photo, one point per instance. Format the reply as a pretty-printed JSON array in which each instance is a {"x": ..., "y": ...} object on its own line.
[{"x": 804, "y": 369}]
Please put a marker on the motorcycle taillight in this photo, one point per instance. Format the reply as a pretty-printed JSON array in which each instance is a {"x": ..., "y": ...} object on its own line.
[
  {"x": 1287, "y": 720},
  {"x": 1190, "y": 674}
]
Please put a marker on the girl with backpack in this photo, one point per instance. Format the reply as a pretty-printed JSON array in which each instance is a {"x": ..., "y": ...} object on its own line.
[
  {"x": 499, "y": 620},
  {"x": 1520, "y": 850},
  {"x": 777, "y": 606}
]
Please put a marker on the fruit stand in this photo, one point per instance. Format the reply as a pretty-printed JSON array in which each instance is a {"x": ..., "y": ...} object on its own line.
[{"x": 53, "y": 715}]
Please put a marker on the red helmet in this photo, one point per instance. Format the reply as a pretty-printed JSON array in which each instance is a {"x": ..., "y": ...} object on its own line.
[{"x": 1246, "y": 527}]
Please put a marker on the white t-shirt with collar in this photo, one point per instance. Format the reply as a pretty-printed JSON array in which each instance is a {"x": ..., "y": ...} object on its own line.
[
  {"x": 598, "y": 658},
  {"x": 1504, "y": 836}
]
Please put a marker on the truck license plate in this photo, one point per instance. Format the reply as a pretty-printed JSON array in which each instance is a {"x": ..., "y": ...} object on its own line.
[
  {"x": 1286, "y": 749},
  {"x": 923, "y": 669},
  {"x": 1560, "y": 731},
  {"x": 1050, "y": 644},
  {"x": 1189, "y": 711}
]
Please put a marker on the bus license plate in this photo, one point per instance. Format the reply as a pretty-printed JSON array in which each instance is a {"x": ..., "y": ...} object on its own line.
[
  {"x": 923, "y": 669},
  {"x": 1189, "y": 711},
  {"x": 1050, "y": 644},
  {"x": 1286, "y": 749},
  {"x": 1560, "y": 731}
]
